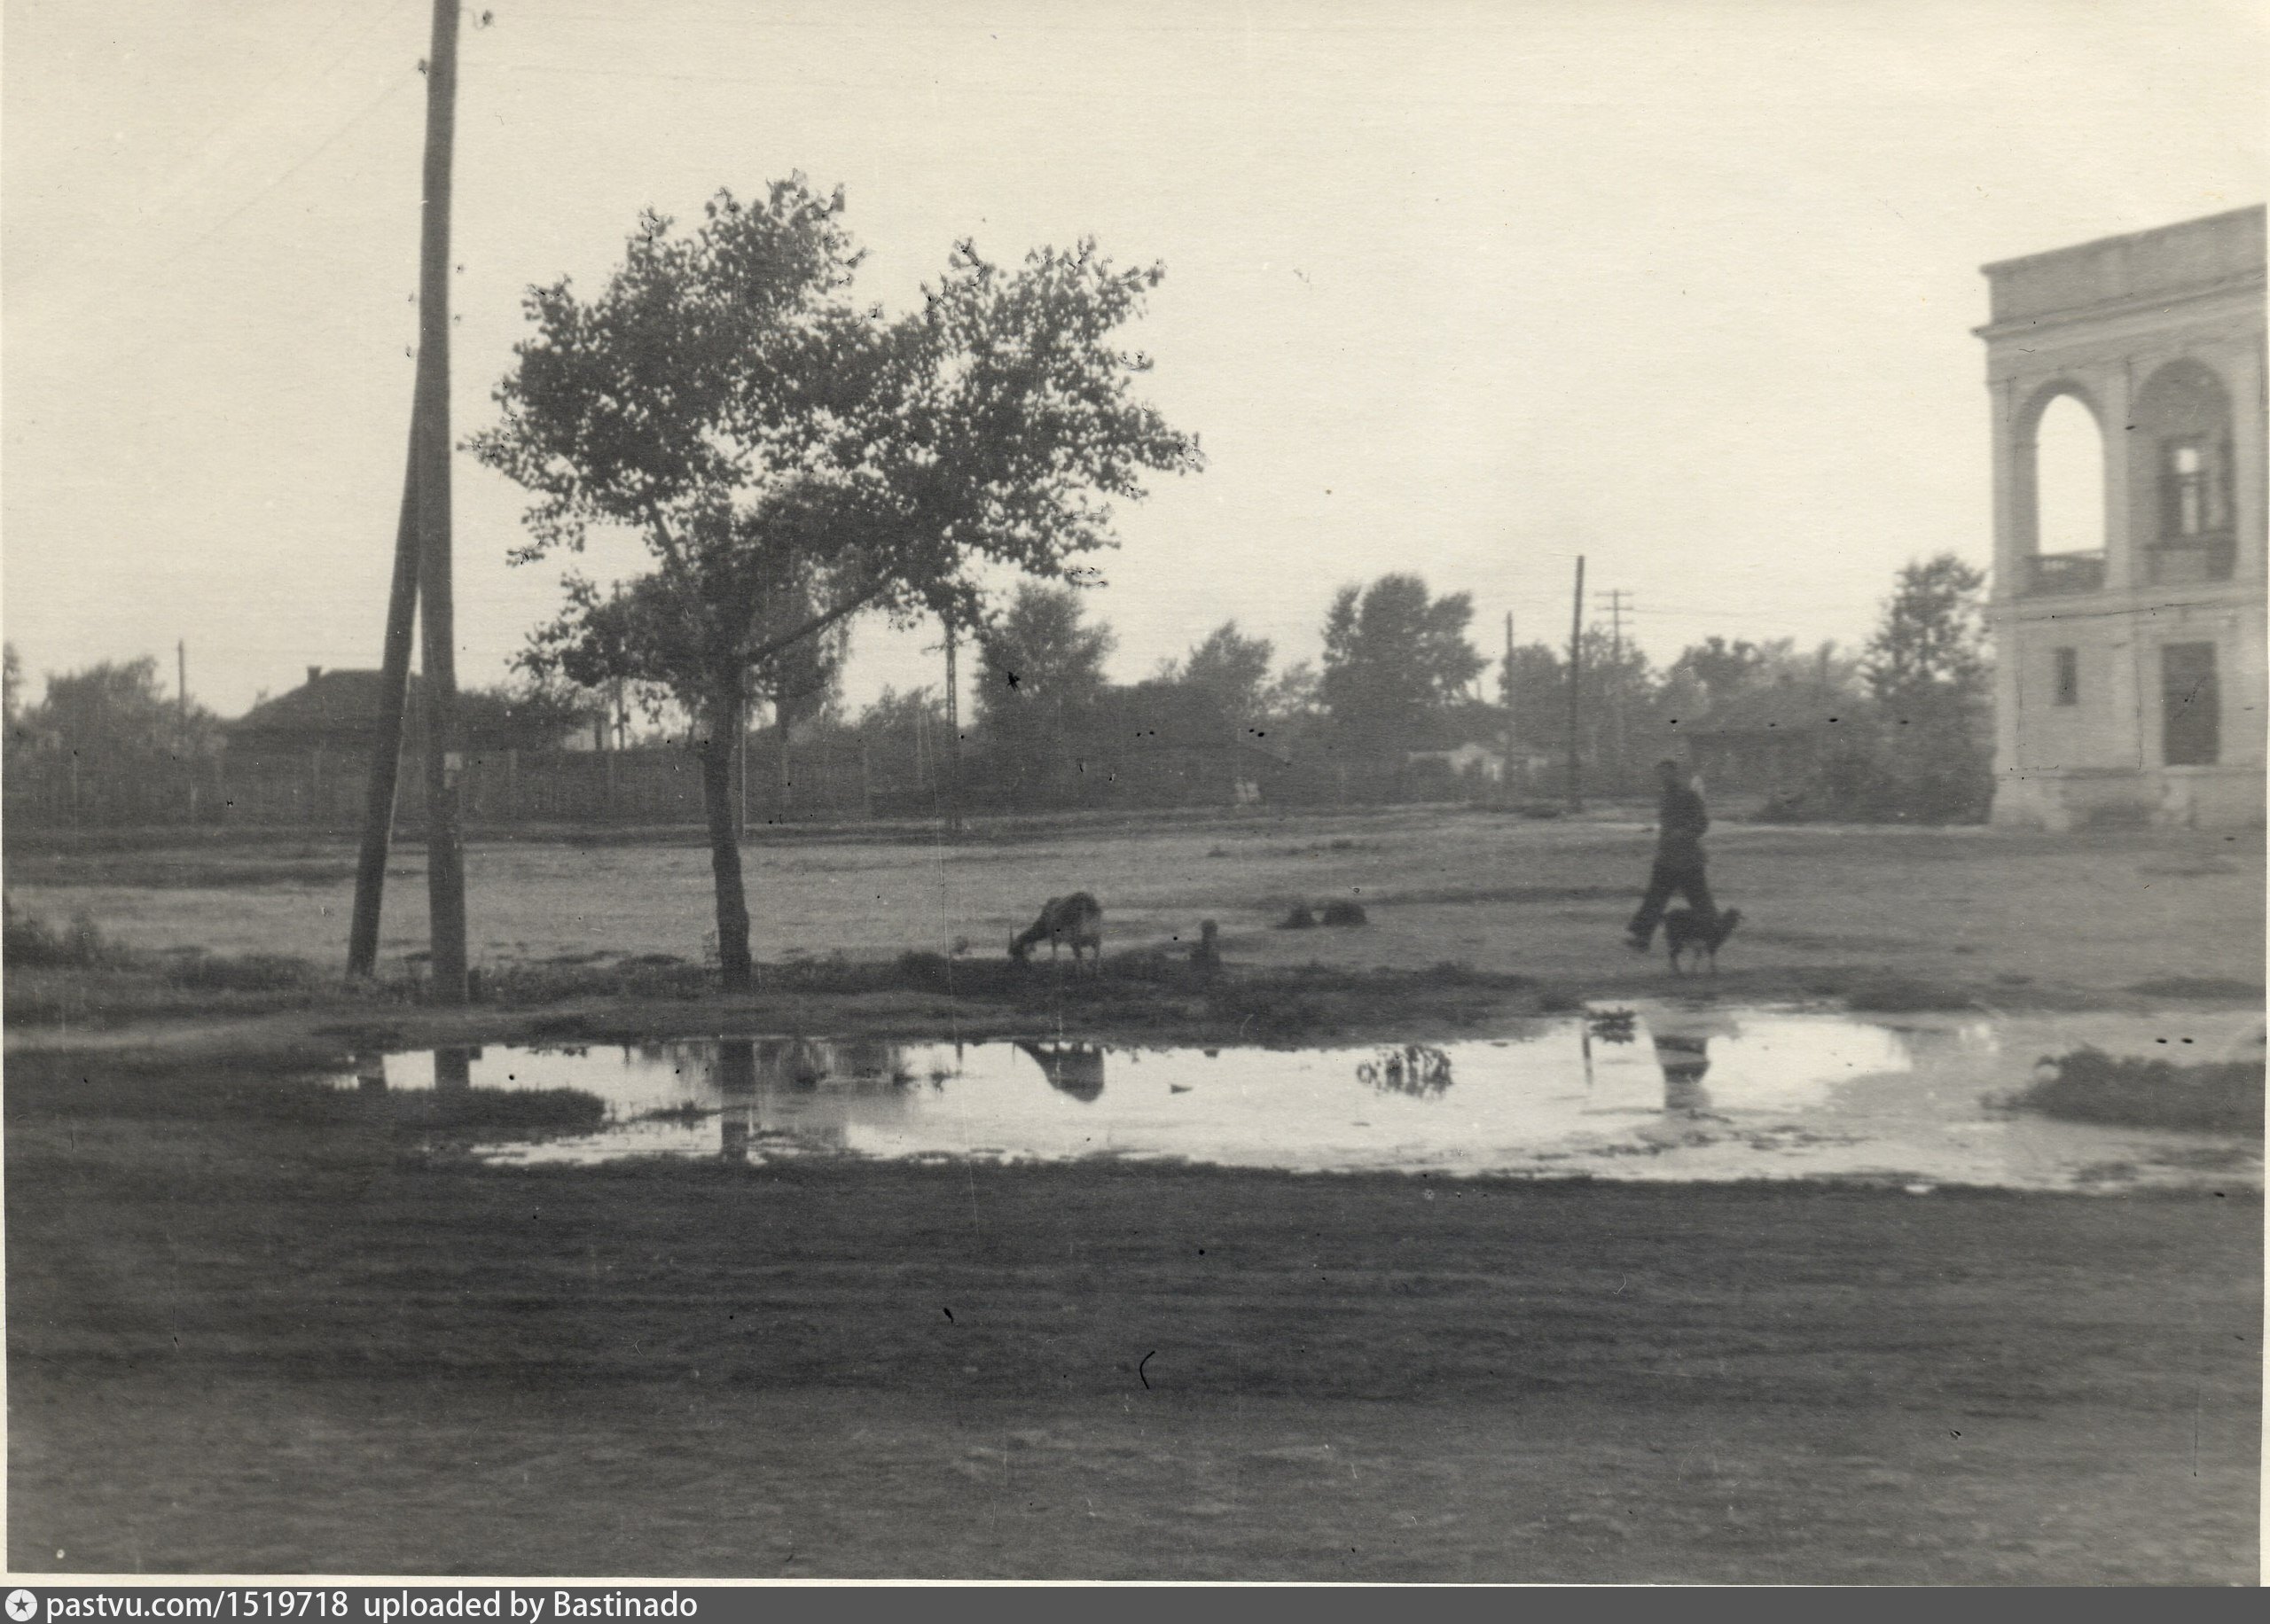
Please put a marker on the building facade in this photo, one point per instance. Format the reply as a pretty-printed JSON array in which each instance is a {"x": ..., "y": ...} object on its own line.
[{"x": 2129, "y": 672}]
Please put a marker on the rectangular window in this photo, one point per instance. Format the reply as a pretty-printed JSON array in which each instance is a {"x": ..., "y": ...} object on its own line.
[
  {"x": 2193, "y": 496},
  {"x": 2191, "y": 725},
  {"x": 2069, "y": 677}
]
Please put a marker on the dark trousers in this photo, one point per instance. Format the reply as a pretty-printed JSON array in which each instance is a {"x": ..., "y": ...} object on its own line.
[{"x": 1667, "y": 880}]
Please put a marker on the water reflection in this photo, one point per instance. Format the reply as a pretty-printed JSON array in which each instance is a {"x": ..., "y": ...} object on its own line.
[
  {"x": 1686, "y": 1061},
  {"x": 1662, "y": 1091},
  {"x": 1074, "y": 1068},
  {"x": 1420, "y": 1070}
]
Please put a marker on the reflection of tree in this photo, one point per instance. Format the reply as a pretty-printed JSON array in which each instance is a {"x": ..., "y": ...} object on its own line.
[
  {"x": 1612, "y": 1026},
  {"x": 1074, "y": 1068},
  {"x": 1417, "y": 1069}
]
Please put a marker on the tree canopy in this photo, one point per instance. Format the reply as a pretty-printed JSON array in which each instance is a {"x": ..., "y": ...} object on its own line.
[
  {"x": 790, "y": 458},
  {"x": 1392, "y": 655},
  {"x": 1230, "y": 666}
]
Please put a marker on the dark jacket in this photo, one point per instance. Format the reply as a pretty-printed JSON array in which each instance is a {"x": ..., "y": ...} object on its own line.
[{"x": 1680, "y": 823}]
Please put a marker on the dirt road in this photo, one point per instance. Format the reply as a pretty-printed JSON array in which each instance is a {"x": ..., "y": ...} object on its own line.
[{"x": 244, "y": 1341}]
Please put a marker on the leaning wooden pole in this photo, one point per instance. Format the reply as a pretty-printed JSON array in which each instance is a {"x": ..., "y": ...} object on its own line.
[
  {"x": 437, "y": 617},
  {"x": 385, "y": 749}
]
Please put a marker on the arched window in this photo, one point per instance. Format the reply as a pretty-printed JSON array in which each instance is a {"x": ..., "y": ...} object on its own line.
[
  {"x": 2061, "y": 484},
  {"x": 2068, "y": 480},
  {"x": 2182, "y": 468}
]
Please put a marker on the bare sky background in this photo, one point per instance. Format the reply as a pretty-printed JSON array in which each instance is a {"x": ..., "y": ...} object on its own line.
[{"x": 1459, "y": 288}]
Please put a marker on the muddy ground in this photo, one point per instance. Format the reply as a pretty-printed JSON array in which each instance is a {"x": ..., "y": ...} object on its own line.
[
  {"x": 246, "y": 1334},
  {"x": 243, "y": 1340}
]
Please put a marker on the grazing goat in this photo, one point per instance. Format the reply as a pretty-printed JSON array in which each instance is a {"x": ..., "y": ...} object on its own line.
[
  {"x": 1684, "y": 931},
  {"x": 1074, "y": 921}
]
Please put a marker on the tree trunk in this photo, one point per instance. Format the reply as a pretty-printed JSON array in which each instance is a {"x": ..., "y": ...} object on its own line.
[{"x": 721, "y": 805}]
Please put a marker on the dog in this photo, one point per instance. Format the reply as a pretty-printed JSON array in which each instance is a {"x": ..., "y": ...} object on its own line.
[
  {"x": 1686, "y": 931},
  {"x": 1074, "y": 921}
]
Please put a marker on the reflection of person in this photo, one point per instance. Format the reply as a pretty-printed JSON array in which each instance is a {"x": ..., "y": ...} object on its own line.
[
  {"x": 1680, "y": 823},
  {"x": 1685, "y": 1062}
]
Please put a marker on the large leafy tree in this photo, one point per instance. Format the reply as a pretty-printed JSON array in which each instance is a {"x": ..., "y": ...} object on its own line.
[
  {"x": 1230, "y": 666},
  {"x": 1927, "y": 669},
  {"x": 1392, "y": 655},
  {"x": 115, "y": 715},
  {"x": 1041, "y": 660},
  {"x": 790, "y": 458},
  {"x": 1715, "y": 670}
]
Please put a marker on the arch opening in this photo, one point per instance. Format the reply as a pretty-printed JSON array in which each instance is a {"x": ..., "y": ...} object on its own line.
[
  {"x": 2061, "y": 481},
  {"x": 2180, "y": 472}
]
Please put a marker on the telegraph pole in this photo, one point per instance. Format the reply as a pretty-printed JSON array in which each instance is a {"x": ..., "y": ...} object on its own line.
[
  {"x": 181, "y": 690},
  {"x": 1506, "y": 773},
  {"x": 385, "y": 750},
  {"x": 1617, "y": 604},
  {"x": 953, "y": 736},
  {"x": 1575, "y": 681},
  {"x": 430, "y": 434}
]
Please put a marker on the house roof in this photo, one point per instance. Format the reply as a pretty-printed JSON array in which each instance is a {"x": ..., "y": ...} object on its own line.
[
  {"x": 331, "y": 705},
  {"x": 1786, "y": 708}
]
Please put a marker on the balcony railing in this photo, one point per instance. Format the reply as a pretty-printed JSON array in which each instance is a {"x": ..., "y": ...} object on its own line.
[
  {"x": 2192, "y": 559},
  {"x": 2057, "y": 573}
]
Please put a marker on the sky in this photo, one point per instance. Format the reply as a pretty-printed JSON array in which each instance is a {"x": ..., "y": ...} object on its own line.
[{"x": 1466, "y": 289}]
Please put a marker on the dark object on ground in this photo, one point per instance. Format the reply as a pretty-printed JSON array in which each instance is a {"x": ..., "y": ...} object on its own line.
[
  {"x": 1074, "y": 921},
  {"x": 1207, "y": 955},
  {"x": 2090, "y": 1086},
  {"x": 1299, "y": 920},
  {"x": 1344, "y": 913},
  {"x": 1686, "y": 931}
]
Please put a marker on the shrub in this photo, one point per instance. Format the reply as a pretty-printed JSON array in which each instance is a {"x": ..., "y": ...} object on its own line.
[{"x": 2090, "y": 1086}]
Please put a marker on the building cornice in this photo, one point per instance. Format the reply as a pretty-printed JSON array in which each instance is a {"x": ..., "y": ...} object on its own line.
[{"x": 2159, "y": 304}]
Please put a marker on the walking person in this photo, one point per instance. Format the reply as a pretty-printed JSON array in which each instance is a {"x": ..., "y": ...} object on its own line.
[{"x": 1680, "y": 823}]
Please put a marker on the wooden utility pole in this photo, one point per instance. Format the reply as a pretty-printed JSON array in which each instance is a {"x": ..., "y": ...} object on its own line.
[
  {"x": 181, "y": 690},
  {"x": 385, "y": 749},
  {"x": 430, "y": 433},
  {"x": 1505, "y": 772},
  {"x": 953, "y": 736},
  {"x": 1575, "y": 681},
  {"x": 1617, "y": 603}
]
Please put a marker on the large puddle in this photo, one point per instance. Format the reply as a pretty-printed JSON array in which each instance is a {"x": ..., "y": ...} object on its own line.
[{"x": 1659, "y": 1092}]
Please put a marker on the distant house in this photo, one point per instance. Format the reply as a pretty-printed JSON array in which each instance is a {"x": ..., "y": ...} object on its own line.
[
  {"x": 1470, "y": 760},
  {"x": 1158, "y": 744},
  {"x": 336, "y": 713},
  {"x": 1767, "y": 743}
]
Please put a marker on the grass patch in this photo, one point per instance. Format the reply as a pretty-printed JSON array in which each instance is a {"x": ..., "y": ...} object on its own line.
[
  {"x": 1898, "y": 995},
  {"x": 30, "y": 943},
  {"x": 517, "y": 1112},
  {"x": 2090, "y": 1086},
  {"x": 2199, "y": 987}
]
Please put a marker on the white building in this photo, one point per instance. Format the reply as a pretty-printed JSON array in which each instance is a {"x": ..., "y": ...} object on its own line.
[{"x": 2129, "y": 647}]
